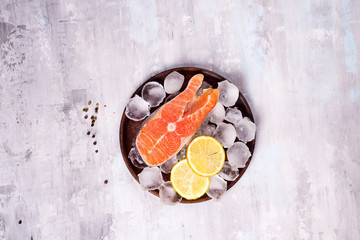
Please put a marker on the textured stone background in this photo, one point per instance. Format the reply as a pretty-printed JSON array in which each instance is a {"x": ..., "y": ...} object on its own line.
[{"x": 296, "y": 62}]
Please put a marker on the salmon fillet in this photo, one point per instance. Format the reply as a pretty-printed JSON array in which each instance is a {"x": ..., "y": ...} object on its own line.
[{"x": 165, "y": 133}]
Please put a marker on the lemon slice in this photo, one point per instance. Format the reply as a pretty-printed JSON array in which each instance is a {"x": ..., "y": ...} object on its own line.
[
  {"x": 205, "y": 155},
  {"x": 186, "y": 183}
]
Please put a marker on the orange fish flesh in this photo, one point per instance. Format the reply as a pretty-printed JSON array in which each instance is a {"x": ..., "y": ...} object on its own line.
[{"x": 171, "y": 127}]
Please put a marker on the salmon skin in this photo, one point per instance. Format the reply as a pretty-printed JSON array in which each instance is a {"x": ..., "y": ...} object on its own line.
[{"x": 165, "y": 133}]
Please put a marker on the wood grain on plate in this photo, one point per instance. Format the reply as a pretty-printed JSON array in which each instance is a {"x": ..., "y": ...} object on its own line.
[{"x": 129, "y": 128}]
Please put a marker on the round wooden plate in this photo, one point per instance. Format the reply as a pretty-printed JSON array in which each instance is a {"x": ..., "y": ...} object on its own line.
[{"x": 129, "y": 128}]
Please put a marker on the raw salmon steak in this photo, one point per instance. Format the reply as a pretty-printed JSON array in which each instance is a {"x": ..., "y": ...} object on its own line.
[{"x": 167, "y": 131}]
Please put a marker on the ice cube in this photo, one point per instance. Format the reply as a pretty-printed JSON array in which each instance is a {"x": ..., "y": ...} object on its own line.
[
  {"x": 203, "y": 86},
  {"x": 168, "y": 195},
  {"x": 229, "y": 93},
  {"x": 208, "y": 129},
  {"x": 153, "y": 93},
  {"x": 238, "y": 154},
  {"x": 137, "y": 108},
  {"x": 167, "y": 166},
  {"x": 173, "y": 82},
  {"x": 233, "y": 115},
  {"x": 196, "y": 134},
  {"x": 217, "y": 115},
  {"x": 203, "y": 124},
  {"x": 245, "y": 130},
  {"x": 229, "y": 172},
  {"x": 218, "y": 187},
  {"x": 225, "y": 133},
  {"x": 150, "y": 178},
  {"x": 136, "y": 159},
  {"x": 182, "y": 153}
]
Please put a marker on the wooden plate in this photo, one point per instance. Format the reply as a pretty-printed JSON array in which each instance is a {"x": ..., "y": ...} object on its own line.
[{"x": 129, "y": 128}]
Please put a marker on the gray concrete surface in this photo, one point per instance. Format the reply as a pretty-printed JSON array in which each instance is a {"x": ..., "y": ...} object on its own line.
[{"x": 296, "y": 62}]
